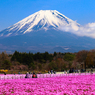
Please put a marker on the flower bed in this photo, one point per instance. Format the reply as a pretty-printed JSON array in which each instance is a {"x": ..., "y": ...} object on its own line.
[{"x": 65, "y": 85}]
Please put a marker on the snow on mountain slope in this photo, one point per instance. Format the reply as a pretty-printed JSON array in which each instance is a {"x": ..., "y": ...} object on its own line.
[{"x": 43, "y": 19}]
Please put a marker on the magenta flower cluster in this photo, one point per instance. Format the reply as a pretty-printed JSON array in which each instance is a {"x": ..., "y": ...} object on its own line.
[{"x": 61, "y": 85}]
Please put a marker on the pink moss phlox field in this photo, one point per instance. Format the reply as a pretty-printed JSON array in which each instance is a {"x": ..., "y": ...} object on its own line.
[{"x": 65, "y": 85}]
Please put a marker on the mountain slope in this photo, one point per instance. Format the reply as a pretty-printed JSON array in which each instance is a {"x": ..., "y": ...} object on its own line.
[
  {"x": 44, "y": 41},
  {"x": 41, "y": 20}
]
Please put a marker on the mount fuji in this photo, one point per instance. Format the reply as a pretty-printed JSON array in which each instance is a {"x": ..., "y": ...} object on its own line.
[
  {"x": 41, "y": 20},
  {"x": 45, "y": 30}
]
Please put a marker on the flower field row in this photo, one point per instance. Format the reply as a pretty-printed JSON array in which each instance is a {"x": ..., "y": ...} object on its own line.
[{"x": 60, "y": 85}]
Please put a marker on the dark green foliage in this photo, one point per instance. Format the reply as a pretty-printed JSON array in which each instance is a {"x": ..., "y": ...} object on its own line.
[
  {"x": 38, "y": 57},
  {"x": 7, "y": 64},
  {"x": 28, "y": 58},
  {"x": 47, "y": 56},
  {"x": 36, "y": 60},
  {"x": 24, "y": 58},
  {"x": 69, "y": 57},
  {"x": 42, "y": 57},
  {"x": 55, "y": 53},
  {"x": 45, "y": 61},
  {"x": 53, "y": 66}
]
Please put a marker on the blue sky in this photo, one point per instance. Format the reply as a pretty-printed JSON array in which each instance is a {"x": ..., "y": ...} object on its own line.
[{"x": 12, "y": 11}]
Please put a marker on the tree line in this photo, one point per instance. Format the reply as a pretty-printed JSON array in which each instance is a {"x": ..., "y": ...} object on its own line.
[{"x": 45, "y": 61}]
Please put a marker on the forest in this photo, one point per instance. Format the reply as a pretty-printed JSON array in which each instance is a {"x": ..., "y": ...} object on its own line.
[{"x": 44, "y": 61}]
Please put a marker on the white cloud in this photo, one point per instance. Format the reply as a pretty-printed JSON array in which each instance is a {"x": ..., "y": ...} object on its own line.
[{"x": 86, "y": 30}]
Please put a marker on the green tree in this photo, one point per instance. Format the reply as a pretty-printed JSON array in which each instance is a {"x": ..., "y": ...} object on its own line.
[
  {"x": 69, "y": 57},
  {"x": 7, "y": 64},
  {"x": 52, "y": 65},
  {"x": 55, "y": 54}
]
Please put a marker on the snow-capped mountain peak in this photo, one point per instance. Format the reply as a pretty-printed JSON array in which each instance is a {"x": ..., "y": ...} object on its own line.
[
  {"x": 48, "y": 33},
  {"x": 43, "y": 19}
]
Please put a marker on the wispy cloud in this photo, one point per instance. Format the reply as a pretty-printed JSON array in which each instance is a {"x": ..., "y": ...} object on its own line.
[{"x": 86, "y": 30}]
